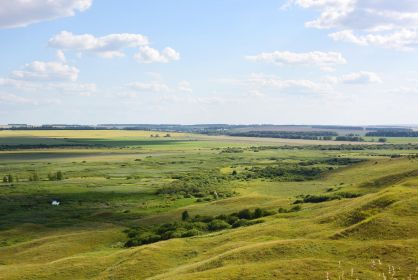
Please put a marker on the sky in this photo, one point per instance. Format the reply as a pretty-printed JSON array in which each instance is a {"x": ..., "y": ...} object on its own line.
[{"x": 345, "y": 62}]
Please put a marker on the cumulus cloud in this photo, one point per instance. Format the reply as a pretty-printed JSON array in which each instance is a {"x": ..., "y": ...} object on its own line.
[
  {"x": 61, "y": 56},
  {"x": 362, "y": 77},
  {"x": 113, "y": 45},
  {"x": 82, "y": 89},
  {"x": 20, "y": 13},
  {"x": 108, "y": 46},
  {"x": 149, "y": 87},
  {"x": 185, "y": 86},
  {"x": 147, "y": 54},
  {"x": 158, "y": 86},
  {"x": 51, "y": 76},
  {"x": 384, "y": 23},
  {"x": 324, "y": 60},
  {"x": 46, "y": 71},
  {"x": 403, "y": 40},
  {"x": 259, "y": 80},
  {"x": 260, "y": 83},
  {"x": 12, "y": 98}
]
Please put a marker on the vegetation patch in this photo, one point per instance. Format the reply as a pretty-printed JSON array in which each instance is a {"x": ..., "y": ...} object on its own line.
[
  {"x": 197, "y": 225},
  {"x": 326, "y": 197}
]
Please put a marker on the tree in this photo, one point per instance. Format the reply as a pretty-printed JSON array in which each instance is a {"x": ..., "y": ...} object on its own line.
[
  {"x": 5, "y": 179},
  {"x": 258, "y": 213},
  {"x": 60, "y": 176},
  {"x": 35, "y": 177},
  {"x": 10, "y": 178},
  {"x": 185, "y": 216},
  {"x": 234, "y": 173},
  {"x": 244, "y": 214},
  {"x": 52, "y": 177}
]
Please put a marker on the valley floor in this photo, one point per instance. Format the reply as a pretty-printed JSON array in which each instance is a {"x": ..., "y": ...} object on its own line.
[{"x": 357, "y": 214}]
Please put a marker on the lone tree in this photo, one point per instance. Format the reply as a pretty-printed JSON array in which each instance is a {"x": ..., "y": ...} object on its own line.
[
  {"x": 258, "y": 213},
  {"x": 10, "y": 178},
  {"x": 185, "y": 216},
  {"x": 5, "y": 179},
  {"x": 34, "y": 177},
  {"x": 60, "y": 176}
]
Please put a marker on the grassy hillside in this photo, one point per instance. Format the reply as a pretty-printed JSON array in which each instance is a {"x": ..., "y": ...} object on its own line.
[{"x": 356, "y": 215}]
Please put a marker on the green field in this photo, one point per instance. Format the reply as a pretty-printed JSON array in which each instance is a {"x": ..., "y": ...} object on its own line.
[{"x": 330, "y": 211}]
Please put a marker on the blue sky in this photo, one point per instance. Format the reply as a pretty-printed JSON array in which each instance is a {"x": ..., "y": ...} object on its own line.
[{"x": 229, "y": 61}]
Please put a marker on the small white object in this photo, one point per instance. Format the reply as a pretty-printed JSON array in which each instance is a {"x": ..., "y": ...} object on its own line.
[{"x": 55, "y": 203}]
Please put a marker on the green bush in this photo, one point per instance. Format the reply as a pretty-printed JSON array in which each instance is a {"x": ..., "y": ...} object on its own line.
[
  {"x": 245, "y": 214},
  {"x": 191, "y": 232},
  {"x": 218, "y": 225}
]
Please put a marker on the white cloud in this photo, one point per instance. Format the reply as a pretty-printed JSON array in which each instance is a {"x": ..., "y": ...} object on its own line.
[
  {"x": 20, "y": 13},
  {"x": 12, "y": 98},
  {"x": 46, "y": 71},
  {"x": 108, "y": 46},
  {"x": 403, "y": 39},
  {"x": 259, "y": 80},
  {"x": 60, "y": 56},
  {"x": 158, "y": 86},
  {"x": 83, "y": 89},
  {"x": 149, "y": 87},
  {"x": 185, "y": 86},
  {"x": 362, "y": 77},
  {"x": 147, "y": 54},
  {"x": 113, "y": 45},
  {"x": 324, "y": 60},
  {"x": 383, "y": 23},
  {"x": 52, "y": 76}
]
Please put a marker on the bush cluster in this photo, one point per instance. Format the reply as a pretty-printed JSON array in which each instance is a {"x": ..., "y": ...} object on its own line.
[
  {"x": 197, "y": 225},
  {"x": 325, "y": 197},
  {"x": 203, "y": 186},
  {"x": 286, "y": 172}
]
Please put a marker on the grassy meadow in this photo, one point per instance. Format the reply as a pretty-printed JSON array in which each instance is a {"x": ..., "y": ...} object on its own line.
[{"x": 328, "y": 210}]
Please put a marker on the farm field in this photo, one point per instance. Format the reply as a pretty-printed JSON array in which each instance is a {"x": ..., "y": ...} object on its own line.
[{"x": 190, "y": 206}]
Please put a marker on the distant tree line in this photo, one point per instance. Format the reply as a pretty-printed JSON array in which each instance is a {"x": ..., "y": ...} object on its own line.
[
  {"x": 46, "y": 146},
  {"x": 341, "y": 147},
  {"x": 393, "y": 133},
  {"x": 338, "y": 127},
  {"x": 10, "y": 178},
  {"x": 308, "y": 135},
  {"x": 388, "y": 129},
  {"x": 350, "y": 138},
  {"x": 34, "y": 177}
]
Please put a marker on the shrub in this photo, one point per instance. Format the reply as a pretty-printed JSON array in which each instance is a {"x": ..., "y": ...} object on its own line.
[
  {"x": 244, "y": 214},
  {"x": 185, "y": 216},
  {"x": 149, "y": 237},
  {"x": 243, "y": 223},
  {"x": 200, "y": 226},
  {"x": 258, "y": 213},
  {"x": 295, "y": 208},
  {"x": 218, "y": 225},
  {"x": 282, "y": 210},
  {"x": 191, "y": 232}
]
